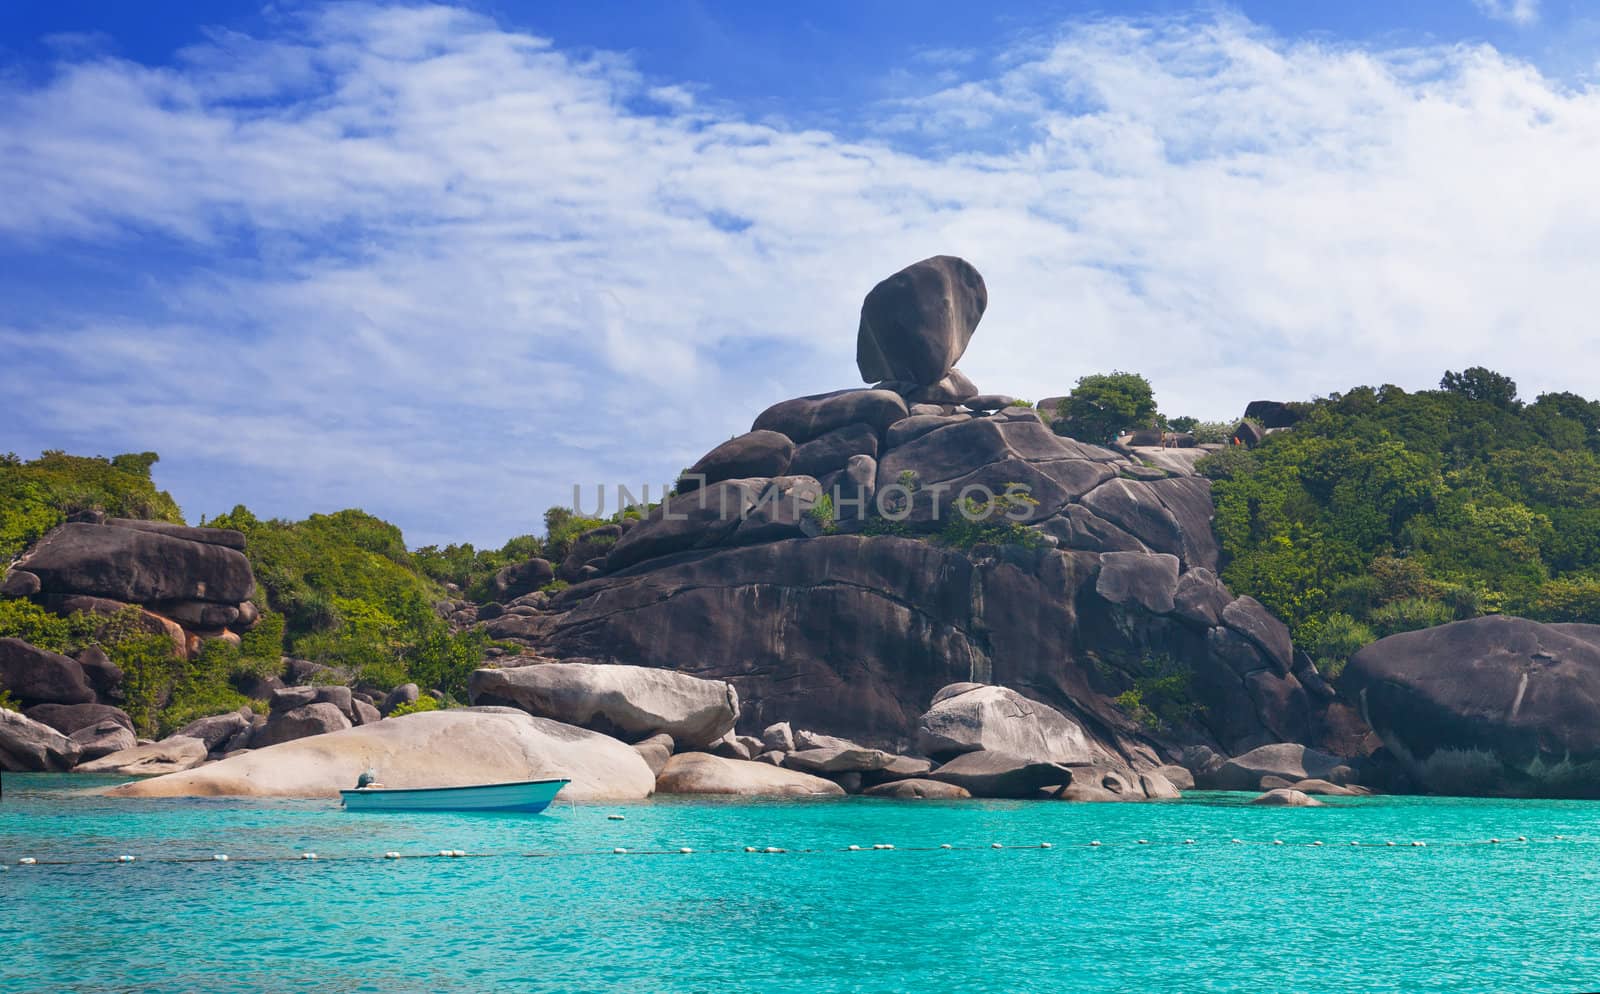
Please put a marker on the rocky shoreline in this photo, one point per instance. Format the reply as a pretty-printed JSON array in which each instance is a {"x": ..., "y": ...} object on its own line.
[{"x": 909, "y": 589}]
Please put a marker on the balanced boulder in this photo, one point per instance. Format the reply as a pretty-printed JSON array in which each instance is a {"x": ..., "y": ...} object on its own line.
[
  {"x": 630, "y": 701},
  {"x": 916, "y": 324},
  {"x": 428, "y": 749}
]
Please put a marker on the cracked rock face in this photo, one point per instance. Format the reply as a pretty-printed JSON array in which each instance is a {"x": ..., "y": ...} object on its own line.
[{"x": 1493, "y": 705}]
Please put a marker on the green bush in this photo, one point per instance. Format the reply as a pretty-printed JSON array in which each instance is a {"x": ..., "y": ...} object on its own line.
[
  {"x": 976, "y": 522},
  {"x": 426, "y": 702},
  {"x": 1162, "y": 695},
  {"x": 1338, "y": 637},
  {"x": 37, "y": 495},
  {"x": 1409, "y": 615}
]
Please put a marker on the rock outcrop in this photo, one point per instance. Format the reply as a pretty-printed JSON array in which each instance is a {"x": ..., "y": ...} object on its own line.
[
  {"x": 428, "y": 749},
  {"x": 702, "y": 773},
  {"x": 28, "y": 746},
  {"x": 916, "y": 324},
  {"x": 1492, "y": 706},
  {"x": 630, "y": 701},
  {"x": 38, "y": 676},
  {"x": 173, "y": 754}
]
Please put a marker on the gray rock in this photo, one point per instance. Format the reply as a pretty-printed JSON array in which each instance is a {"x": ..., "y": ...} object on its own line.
[
  {"x": 102, "y": 739},
  {"x": 1247, "y": 617},
  {"x": 1290, "y": 761},
  {"x": 917, "y": 425},
  {"x": 995, "y": 774},
  {"x": 226, "y": 537},
  {"x": 701, "y": 773},
  {"x": 656, "y": 750},
  {"x": 198, "y": 614},
  {"x": 521, "y": 579},
  {"x": 1101, "y": 783},
  {"x": 778, "y": 736},
  {"x": 1495, "y": 706},
  {"x": 362, "y": 713},
  {"x": 916, "y": 324},
  {"x": 1284, "y": 798},
  {"x": 783, "y": 510},
  {"x": 137, "y": 566},
  {"x": 1201, "y": 598},
  {"x": 406, "y": 693},
  {"x": 171, "y": 755},
  {"x": 998, "y": 719},
  {"x": 592, "y": 544},
  {"x": 918, "y": 789},
  {"x": 805, "y": 418},
  {"x": 730, "y": 747},
  {"x": 834, "y": 760},
  {"x": 318, "y": 718},
  {"x": 1171, "y": 515},
  {"x": 1158, "y": 787},
  {"x": 1326, "y": 789},
  {"x": 771, "y": 757},
  {"x": 1145, "y": 580},
  {"x": 1178, "y": 776},
  {"x": 19, "y": 583},
  {"x": 217, "y": 729},
  {"x": 68, "y": 718},
  {"x": 28, "y": 746},
  {"x": 704, "y": 518},
  {"x": 629, "y": 701},
  {"x": 758, "y": 453},
  {"x": 953, "y": 389},
  {"x": 829, "y": 453},
  {"x": 1077, "y": 527},
  {"x": 989, "y": 402},
  {"x": 38, "y": 676},
  {"x": 291, "y": 698}
]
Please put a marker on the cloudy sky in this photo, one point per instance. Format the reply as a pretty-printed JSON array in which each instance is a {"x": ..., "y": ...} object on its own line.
[{"x": 443, "y": 263}]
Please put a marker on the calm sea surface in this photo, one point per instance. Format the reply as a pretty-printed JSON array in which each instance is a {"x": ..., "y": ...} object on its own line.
[{"x": 1456, "y": 915}]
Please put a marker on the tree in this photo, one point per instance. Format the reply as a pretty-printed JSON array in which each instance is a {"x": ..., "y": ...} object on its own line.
[
  {"x": 1102, "y": 405},
  {"x": 1479, "y": 383}
]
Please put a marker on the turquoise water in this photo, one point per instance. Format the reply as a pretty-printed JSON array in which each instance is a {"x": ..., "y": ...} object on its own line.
[{"x": 1213, "y": 916}]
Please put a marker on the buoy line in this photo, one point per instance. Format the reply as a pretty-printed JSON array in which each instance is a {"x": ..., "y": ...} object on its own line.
[{"x": 392, "y": 855}]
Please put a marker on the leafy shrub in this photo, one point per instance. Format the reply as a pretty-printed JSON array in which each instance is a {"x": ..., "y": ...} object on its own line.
[
  {"x": 1338, "y": 637},
  {"x": 1162, "y": 695},
  {"x": 7, "y": 702},
  {"x": 823, "y": 514},
  {"x": 987, "y": 522},
  {"x": 37, "y": 495},
  {"x": 425, "y": 702},
  {"x": 1409, "y": 615}
]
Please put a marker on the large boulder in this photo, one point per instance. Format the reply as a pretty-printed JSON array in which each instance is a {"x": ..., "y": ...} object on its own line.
[
  {"x": 995, "y": 774},
  {"x": 68, "y": 718},
  {"x": 217, "y": 729},
  {"x": 38, "y": 676},
  {"x": 1171, "y": 515},
  {"x": 28, "y": 746},
  {"x": 916, "y": 324},
  {"x": 1492, "y": 706},
  {"x": 702, "y": 773},
  {"x": 1145, "y": 580},
  {"x": 805, "y": 418},
  {"x": 918, "y": 789},
  {"x": 998, "y": 719},
  {"x": 513, "y": 581},
  {"x": 753, "y": 454},
  {"x": 1289, "y": 761},
  {"x": 630, "y": 701},
  {"x": 427, "y": 749},
  {"x": 1284, "y": 797},
  {"x": 318, "y": 718},
  {"x": 102, "y": 739},
  {"x": 831, "y": 452},
  {"x": 171, "y": 755},
  {"x": 138, "y": 566}
]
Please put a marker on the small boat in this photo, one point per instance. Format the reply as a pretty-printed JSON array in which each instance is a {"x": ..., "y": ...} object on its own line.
[{"x": 531, "y": 796}]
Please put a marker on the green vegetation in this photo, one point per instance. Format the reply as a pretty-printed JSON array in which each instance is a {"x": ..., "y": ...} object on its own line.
[
  {"x": 36, "y": 496},
  {"x": 1162, "y": 695},
  {"x": 1001, "y": 520},
  {"x": 822, "y": 513},
  {"x": 1103, "y": 405},
  {"x": 426, "y": 702},
  {"x": 1386, "y": 511}
]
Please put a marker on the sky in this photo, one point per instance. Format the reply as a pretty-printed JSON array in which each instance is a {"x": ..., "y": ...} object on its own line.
[{"x": 446, "y": 263}]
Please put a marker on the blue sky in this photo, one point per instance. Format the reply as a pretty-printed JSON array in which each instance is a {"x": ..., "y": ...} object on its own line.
[{"x": 444, "y": 263}]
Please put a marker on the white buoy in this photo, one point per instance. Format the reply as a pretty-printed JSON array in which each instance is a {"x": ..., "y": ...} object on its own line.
[
  {"x": 220, "y": 857},
  {"x": 615, "y": 817},
  {"x": 1188, "y": 842},
  {"x": 1355, "y": 843},
  {"x": 749, "y": 848},
  {"x": 1237, "y": 842},
  {"x": 1046, "y": 845},
  {"x": 1522, "y": 838},
  {"x": 308, "y": 855},
  {"x": 447, "y": 852},
  {"x": 996, "y": 845},
  {"x": 1494, "y": 841},
  {"x": 391, "y": 854},
  {"x": 1317, "y": 843},
  {"x": 686, "y": 849},
  {"x": 946, "y": 845},
  {"x": 124, "y": 859},
  {"x": 1419, "y": 845},
  {"x": 1277, "y": 842},
  {"x": 619, "y": 850},
  {"x": 1096, "y": 842},
  {"x": 26, "y": 861},
  {"x": 1144, "y": 842},
  {"x": 1389, "y": 843},
  {"x": 883, "y": 845},
  {"x": 776, "y": 849},
  {"x": 855, "y": 848}
]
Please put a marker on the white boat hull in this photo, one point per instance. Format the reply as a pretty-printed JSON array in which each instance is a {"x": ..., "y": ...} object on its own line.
[{"x": 530, "y": 796}]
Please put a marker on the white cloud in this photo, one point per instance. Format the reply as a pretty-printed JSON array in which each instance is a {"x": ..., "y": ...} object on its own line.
[
  {"x": 1518, "y": 12},
  {"x": 443, "y": 270}
]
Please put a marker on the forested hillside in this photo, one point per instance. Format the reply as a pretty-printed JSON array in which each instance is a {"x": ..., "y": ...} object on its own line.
[{"x": 1385, "y": 511}]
